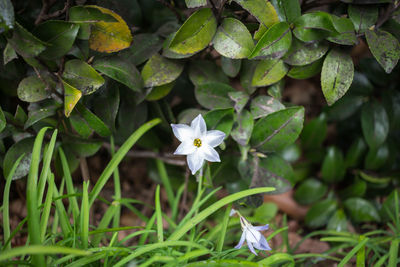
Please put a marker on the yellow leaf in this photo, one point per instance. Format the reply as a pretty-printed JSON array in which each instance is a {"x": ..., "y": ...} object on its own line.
[
  {"x": 110, "y": 36},
  {"x": 71, "y": 97}
]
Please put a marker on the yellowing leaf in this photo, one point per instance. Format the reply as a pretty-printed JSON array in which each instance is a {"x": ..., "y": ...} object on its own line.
[
  {"x": 110, "y": 36},
  {"x": 71, "y": 98}
]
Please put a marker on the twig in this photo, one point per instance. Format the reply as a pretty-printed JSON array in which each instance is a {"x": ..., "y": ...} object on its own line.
[
  {"x": 221, "y": 9},
  {"x": 172, "y": 8},
  {"x": 388, "y": 12},
  {"x": 309, "y": 5},
  {"x": 47, "y": 4},
  {"x": 84, "y": 169}
]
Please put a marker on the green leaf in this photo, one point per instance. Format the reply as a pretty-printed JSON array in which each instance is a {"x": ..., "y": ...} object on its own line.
[
  {"x": 374, "y": 123},
  {"x": 356, "y": 189},
  {"x": 230, "y": 67},
  {"x": 265, "y": 213},
  {"x": 338, "y": 222},
  {"x": 391, "y": 102},
  {"x": 214, "y": 95},
  {"x": 233, "y": 39},
  {"x": 196, "y": 33},
  {"x": 220, "y": 119},
  {"x": 320, "y": 213},
  {"x": 93, "y": 121},
  {"x": 306, "y": 71},
  {"x": 24, "y": 43},
  {"x": 13, "y": 153},
  {"x": 269, "y": 72},
  {"x": 374, "y": 179},
  {"x": 71, "y": 98},
  {"x": 243, "y": 127},
  {"x": 38, "y": 114},
  {"x": 246, "y": 75},
  {"x": 337, "y": 75},
  {"x": 121, "y": 70},
  {"x": 81, "y": 147},
  {"x": 9, "y": 54},
  {"x": 3, "y": 121},
  {"x": 384, "y": 47},
  {"x": 301, "y": 54},
  {"x": 195, "y": 3},
  {"x": 60, "y": 35},
  {"x": 289, "y": 9},
  {"x": 203, "y": 71},
  {"x": 143, "y": 47},
  {"x": 168, "y": 53},
  {"x": 333, "y": 168},
  {"x": 159, "y": 92},
  {"x": 314, "y": 132},
  {"x": 345, "y": 28},
  {"x": 262, "y": 10},
  {"x": 361, "y": 210},
  {"x": 314, "y": 26},
  {"x": 275, "y": 42},
  {"x": 355, "y": 153},
  {"x": 363, "y": 17},
  {"x": 361, "y": 85},
  {"x": 240, "y": 98},
  {"x": 278, "y": 129},
  {"x": 263, "y": 105},
  {"x": 33, "y": 89},
  {"x": 310, "y": 191},
  {"x": 345, "y": 107},
  {"x": 376, "y": 158},
  {"x": 82, "y": 76},
  {"x": 366, "y": 2},
  {"x": 388, "y": 209},
  {"x": 80, "y": 125},
  {"x": 159, "y": 70},
  {"x": 89, "y": 14},
  {"x": 6, "y": 16},
  {"x": 106, "y": 105}
]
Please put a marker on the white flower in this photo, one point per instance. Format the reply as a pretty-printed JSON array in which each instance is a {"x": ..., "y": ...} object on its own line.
[
  {"x": 197, "y": 143},
  {"x": 252, "y": 236}
]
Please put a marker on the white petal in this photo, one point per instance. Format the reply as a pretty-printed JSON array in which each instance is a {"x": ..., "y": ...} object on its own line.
[
  {"x": 182, "y": 132},
  {"x": 233, "y": 212},
  {"x": 195, "y": 161},
  {"x": 185, "y": 148},
  {"x": 199, "y": 126},
  {"x": 214, "y": 138},
  {"x": 252, "y": 235},
  {"x": 209, "y": 153}
]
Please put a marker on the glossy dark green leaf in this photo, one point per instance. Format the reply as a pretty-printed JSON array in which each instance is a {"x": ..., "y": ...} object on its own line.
[
  {"x": 263, "y": 105},
  {"x": 363, "y": 17},
  {"x": 374, "y": 123},
  {"x": 289, "y": 9},
  {"x": 59, "y": 34},
  {"x": 276, "y": 89},
  {"x": 89, "y": 14},
  {"x": 82, "y": 76},
  {"x": 20, "y": 116},
  {"x": 168, "y": 53},
  {"x": 230, "y": 67},
  {"x": 6, "y": 15},
  {"x": 189, "y": 114},
  {"x": 355, "y": 153},
  {"x": 306, "y": 71},
  {"x": 333, "y": 168},
  {"x": 361, "y": 210},
  {"x": 214, "y": 95},
  {"x": 310, "y": 191},
  {"x": 391, "y": 101},
  {"x": 275, "y": 42},
  {"x": 233, "y": 39},
  {"x": 314, "y": 132},
  {"x": 82, "y": 147},
  {"x": 361, "y": 85},
  {"x": 9, "y": 54},
  {"x": 376, "y": 158},
  {"x": 345, "y": 107},
  {"x": 262, "y": 10},
  {"x": 38, "y": 114},
  {"x": 121, "y": 70},
  {"x": 314, "y": 26},
  {"x": 3, "y": 121},
  {"x": 265, "y": 213},
  {"x": 345, "y": 28},
  {"x": 93, "y": 121},
  {"x": 356, "y": 189},
  {"x": 301, "y": 54},
  {"x": 107, "y": 104},
  {"x": 374, "y": 72},
  {"x": 196, "y": 33},
  {"x": 80, "y": 126},
  {"x": 388, "y": 209},
  {"x": 291, "y": 153},
  {"x": 240, "y": 98},
  {"x": 320, "y": 213},
  {"x": 204, "y": 71},
  {"x": 159, "y": 92},
  {"x": 278, "y": 129},
  {"x": 246, "y": 75},
  {"x": 243, "y": 127},
  {"x": 384, "y": 47},
  {"x": 159, "y": 70},
  {"x": 220, "y": 119},
  {"x": 33, "y": 89},
  {"x": 13, "y": 153},
  {"x": 269, "y": 72},
  {"x": 24, "y": 43},
  {"x": 195, "y": 3},
  {"x": 143, "y": 47},
  {"x": 337, "y": 75},
  {"x": 338, "y": 222}
]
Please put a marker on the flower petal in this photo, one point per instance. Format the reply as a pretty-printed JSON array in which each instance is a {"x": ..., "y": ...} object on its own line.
[
  {"x": 209, "y": 153},
  {"x": 261, "y": 228},
  {"x": 252, "y": 235},
  {"x": 233, "y": 212},
  {"x": 185, "y": 148},
  {"x": 214, "y": 138},
  {"x": 199, "y": 126},
  {"x": 195, "y": 161},
  {"x": 262, "y": 245},
  {"x": 183, "y": 132},
  {"x": 238, "y": 246},
  {"x": 251, "y": 248}
]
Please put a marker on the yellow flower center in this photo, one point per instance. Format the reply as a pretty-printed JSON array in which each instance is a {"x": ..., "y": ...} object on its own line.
[{"x": 197, "y": 142}]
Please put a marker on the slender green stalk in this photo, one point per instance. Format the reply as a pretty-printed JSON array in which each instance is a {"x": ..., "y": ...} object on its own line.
[
  {"x": 149, "y": 225},
  {"x": 62, "y": 214},
  {"x": 175, "y": 206},
  {"x": 224, "y": 227},
  {"x": 105, "y": 221},
  {"x": 156, "y": 258},
  {"x": 393, "y": 253},
  {"x": 6, "y": 199},
  {"x": 165, "y": 180},
  {"x": 160, "y": 230},
  {"x": 117, "y": 187},
  {"x": 32, "y": 197},
  {"x": 47, "y": 207},
  {"x": 135, "y": 234},
  {"x": 85, "y": 215},
  {"x": 360, "y": 262},
  {"x": 352, "y": 252},
  {"x": 117, "y": 158}
]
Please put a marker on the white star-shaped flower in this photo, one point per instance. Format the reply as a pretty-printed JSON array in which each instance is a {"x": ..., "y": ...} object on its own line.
[{"x": 197, "y": 143}]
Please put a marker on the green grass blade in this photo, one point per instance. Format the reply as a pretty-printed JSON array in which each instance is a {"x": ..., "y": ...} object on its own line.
[
  {"x": 6, "y": 199},
  {"x": 105, "y": 221},
  {"x": 84, "y": 223},
  {"x": 130, "y": 236},
  {"x": 353, "y": 252},
  {"x": 175, "y": 206},
  {"x": 149, "y": 225},
  {"x": 224, "y": 227},
  {"x": 278, "y": 258},
  {"x": 178, "y": 233},
  {"x": 32, "y": 197},
  {"x": 62, "y": 214},
  {"x": 88, "y": 259},
  {"x": 14, "y": 232},
  {"x": 382, "y": 260},
  {"x": 360, "y": 262},
  {"x": 156, "y": 258},
  {"x": 165, "y": 180},
  {"x": 117, "y": 158},
  {"x": 393, "y": 253},
  {"x": 47, "y": 207},
  {"x": 117, "y": 187},
  {"x": 160, "y": 230},
  {"x": 46, "y": 165}
]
